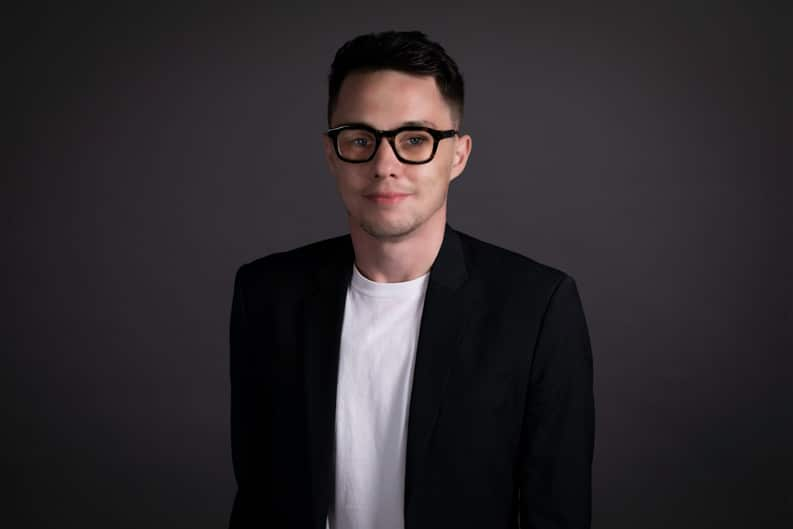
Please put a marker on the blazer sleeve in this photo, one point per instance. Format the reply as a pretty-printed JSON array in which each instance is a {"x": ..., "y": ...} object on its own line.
[
  {"x": 238, "y": 337},
  {"x": 242, "y": 398},
  {"x": 557, "y": 436}
]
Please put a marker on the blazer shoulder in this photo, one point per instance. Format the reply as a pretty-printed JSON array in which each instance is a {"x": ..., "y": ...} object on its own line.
[
  {"x": 500, "y": 266},
  {"x": 298, "y": 263}
]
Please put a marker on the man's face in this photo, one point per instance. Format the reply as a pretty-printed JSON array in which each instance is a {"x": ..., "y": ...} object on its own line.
[{"x": 384, "y": 197}]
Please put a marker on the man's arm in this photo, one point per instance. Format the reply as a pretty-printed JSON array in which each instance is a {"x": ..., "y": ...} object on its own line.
[{"x": 557, "y": 438}]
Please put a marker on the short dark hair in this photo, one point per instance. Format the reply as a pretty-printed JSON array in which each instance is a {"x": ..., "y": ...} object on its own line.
[{"x": 410, "y": 52}]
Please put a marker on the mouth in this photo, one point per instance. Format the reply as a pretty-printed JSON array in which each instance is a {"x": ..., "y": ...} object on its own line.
[{"x": 386, "y": 198}]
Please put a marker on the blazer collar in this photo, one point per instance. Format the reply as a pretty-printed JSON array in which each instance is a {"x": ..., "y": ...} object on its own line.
[{"x": 449, "y": 269}]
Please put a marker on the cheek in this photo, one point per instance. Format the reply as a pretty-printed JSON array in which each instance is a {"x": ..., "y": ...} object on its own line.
[
  {"x": 348, "y": 178},
  {"x": 351, "y": 184},
  {"x": 443, "y": 166},
  {"x": 437, "y": 179}
]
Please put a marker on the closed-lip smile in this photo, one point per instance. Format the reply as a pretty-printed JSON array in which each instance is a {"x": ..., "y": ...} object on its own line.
[{"x": 386, "y": 197}]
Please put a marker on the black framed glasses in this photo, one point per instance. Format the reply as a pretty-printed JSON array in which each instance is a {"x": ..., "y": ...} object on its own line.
[{"x": 358, "y": 143}]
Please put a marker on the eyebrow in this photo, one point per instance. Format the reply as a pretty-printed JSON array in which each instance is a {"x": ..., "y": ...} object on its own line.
[
  {"x": 415, "y": 123},
  {"x": 420, "y": 123}
]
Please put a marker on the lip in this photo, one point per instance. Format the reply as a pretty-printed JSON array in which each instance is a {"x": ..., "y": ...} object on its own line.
[{"x": 386, "y": 198}]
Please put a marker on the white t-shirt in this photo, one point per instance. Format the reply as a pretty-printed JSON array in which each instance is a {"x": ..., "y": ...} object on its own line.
[{"x": 376, "y": 358}]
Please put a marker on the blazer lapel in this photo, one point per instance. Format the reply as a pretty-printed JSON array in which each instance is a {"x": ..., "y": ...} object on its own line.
[
  {"x": 324, "y": 314},
  {"x": 441, "y": 322}
]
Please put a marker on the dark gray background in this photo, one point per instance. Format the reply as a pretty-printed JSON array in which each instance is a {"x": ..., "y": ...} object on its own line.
[{"x": 645, "y": 151}]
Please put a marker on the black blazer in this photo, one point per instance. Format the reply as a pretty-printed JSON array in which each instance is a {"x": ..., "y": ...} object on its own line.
[{"x": 501, "y": 417}]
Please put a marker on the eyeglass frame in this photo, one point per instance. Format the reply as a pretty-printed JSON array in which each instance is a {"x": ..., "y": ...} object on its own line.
[{"x": 389, "y": 135}]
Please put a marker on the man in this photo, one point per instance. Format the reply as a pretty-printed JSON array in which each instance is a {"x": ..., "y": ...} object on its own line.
[{"x": 406, "y": 375}]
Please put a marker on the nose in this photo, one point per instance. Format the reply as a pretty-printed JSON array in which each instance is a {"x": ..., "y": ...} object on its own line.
[{"x": 385, "y": 162}]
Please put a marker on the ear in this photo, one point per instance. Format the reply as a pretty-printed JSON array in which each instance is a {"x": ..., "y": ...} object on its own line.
[{"x": 462, "y": 150}]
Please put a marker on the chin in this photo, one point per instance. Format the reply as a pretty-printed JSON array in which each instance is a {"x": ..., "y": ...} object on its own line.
[{"x": 380, "y": 229}]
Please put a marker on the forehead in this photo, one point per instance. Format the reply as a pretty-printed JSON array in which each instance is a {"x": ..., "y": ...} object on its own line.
[{"x": 387, "y": 98}]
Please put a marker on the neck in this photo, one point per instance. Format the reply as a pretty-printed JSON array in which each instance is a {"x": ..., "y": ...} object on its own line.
[{"x": 399, "y": 259}]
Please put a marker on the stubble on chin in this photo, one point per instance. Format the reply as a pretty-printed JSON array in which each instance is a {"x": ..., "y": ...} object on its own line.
[{"x": 384, "y": 232}]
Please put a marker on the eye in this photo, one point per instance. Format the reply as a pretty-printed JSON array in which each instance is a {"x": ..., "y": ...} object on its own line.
[
  {"x": 413, "y": 139},
  {"x": 360, "y": 141}
]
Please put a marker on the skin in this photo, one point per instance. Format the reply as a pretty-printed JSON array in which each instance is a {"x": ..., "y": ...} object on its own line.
[{"x": 396, "y": 211}]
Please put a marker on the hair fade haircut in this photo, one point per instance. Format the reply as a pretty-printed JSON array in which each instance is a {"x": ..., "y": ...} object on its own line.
[{"x": 411, "y": 52}]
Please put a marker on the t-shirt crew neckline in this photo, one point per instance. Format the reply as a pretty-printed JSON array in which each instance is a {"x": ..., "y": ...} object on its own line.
[{"x": 367, "y": 287}]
